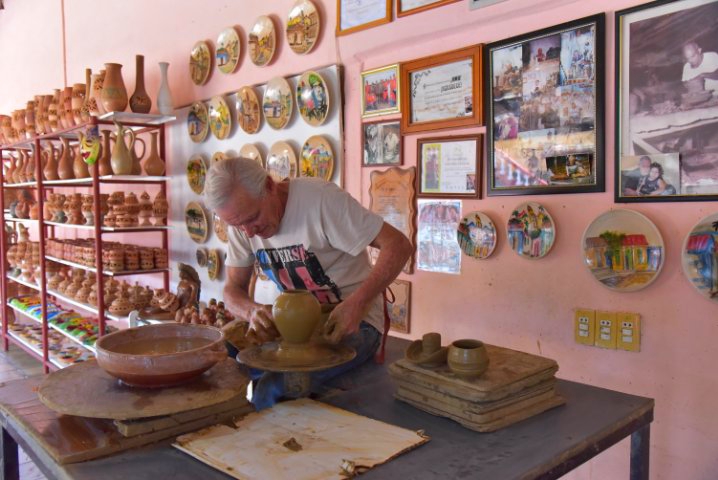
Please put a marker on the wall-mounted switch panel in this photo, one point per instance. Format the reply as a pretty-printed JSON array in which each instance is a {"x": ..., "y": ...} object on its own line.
[
  {"x": 629, "y": 331},
  {"x": 605, "y": 329},
  {"x": 584, "y": 330}
]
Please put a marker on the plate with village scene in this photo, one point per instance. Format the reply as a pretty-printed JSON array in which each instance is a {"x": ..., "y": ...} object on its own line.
[
  {"x": 477, "y": 235},
  {"x": 228, "y": 50},
  {"x": 623, "y": 250},
  {"x": 220, "y": 228},
  {"x": 700, "y": 257},
  {"x": 249, "y": 115},
  {"x": 200, "y": 62},
  {"x": 262, "y": 41},
  {"x": 198, "y": 122},
  {"x": 250, "y": 150},
  {"x": 531, "y": 230},
  {"x": 214, "y": 264},
  {"x": 303, "y": 27},
  {"x": 196, "y": 173},
  {"x": 312, "y": 98},
  {"x": 317, "y": 158},
  {"x": 196, "y": 221},
  {"x": 281, "y": 162},
  {"x": 220, "y": 118},
  {"x": 277, "y": 103}
]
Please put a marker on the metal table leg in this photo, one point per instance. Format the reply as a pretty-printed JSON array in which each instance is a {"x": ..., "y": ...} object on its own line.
[
  {"x": 640, "y": 448},
  {"x": 10, "y": 464}
]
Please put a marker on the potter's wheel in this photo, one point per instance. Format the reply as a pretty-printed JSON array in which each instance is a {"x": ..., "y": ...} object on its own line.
[{"x": 282, "y": 357}]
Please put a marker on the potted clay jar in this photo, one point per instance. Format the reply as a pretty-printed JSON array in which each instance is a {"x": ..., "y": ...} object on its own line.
[
  {"x": 64, "y": 167},
  {"x": 109, "y": 220},
  {"x": 116, "y": 198},
  {"x": 82, "y": 294},
  {"x": 468, "y": 358},
  {"x": 30, "y": 168},
  {"x": 69, "y": 116},
  {"x": 92, "y": 297},
  {"x": 120, "y": 307},
  {"x": 19, "y": 167},
  {"x": 89, "y": 106},
  {"x": 34, "y": 211},
  {"x": 132, "y": 204},
  {"x": 114, "y": 93},
  {"x": 296, "y": 314},
  {"x": 136, "y": 164},
  {"x": 145, "y": 209}
]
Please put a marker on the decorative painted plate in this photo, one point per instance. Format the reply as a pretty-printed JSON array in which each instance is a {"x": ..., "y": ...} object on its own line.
[
  {"x": 217, "y": 156},
  {"x": 699, "y": 257},
  {"x": 200, "y": 62},
  {"x": 220, "y": 118},
  {"x": 317, "y": 158},
  {"x": 250, "y": 150},
  {"x": 477, "y": 235},
  {"x": 281, "y": 161},
  {"x": 228, "y": 50},
  {"x": 220, "y": 228},
  {"x": 312, "y": 98},
  {"x": 303, "y": 26},
  {"x": 201, "y": 255},
  {"x": 196, "y": 173},
  {"x": 196, "y": 221},
  {"x": 277, "y": 103},
  {"x": 198, "y": 122},
  {"x": 249, "y": 115},
  {"x": 214, "y": 264},
  {"x": 262, "y": 41},
  {"x": 531, "y": 230},
  {"x": 623, "y": 250}
]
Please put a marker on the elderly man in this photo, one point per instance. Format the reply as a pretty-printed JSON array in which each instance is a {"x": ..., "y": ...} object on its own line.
[
  {"x": 632, "y": 178},
  {"x": 309, "y": 234},
  {"x": 700, "y": 72}
]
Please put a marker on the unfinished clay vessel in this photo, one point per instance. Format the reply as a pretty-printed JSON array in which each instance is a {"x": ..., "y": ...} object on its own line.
[
  {"x": 468, "y": 358},
  {"x": 296, "y": 314}
]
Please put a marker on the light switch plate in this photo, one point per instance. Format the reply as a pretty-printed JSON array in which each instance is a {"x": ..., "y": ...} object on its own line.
[
  {"x": 629, "y": 331},
  {"x": 584, "y": 326},
  {"x": 605, "y": 329}
]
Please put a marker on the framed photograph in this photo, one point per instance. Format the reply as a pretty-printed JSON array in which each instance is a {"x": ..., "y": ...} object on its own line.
[
  {"x": 474, "y": 4},
  {"x": 355, "y": 15},
  {"x": 667, "y": 102},
  {"x": 408, "y": 7},
  {"x": 382, "y": 143},
  {"x": 400, "y": 306},
  {"x": 545, "y": 110},
  {"x": 442, "y": 91},
  {"x": 449, "y": 166},
  {"x": 380, "y": 91},
  {"x": 438, "y": 247}
]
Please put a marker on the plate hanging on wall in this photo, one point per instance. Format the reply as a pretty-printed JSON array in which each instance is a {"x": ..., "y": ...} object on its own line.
[
  {"x": 196, "y": 222},
  {"x": 249, "y": 113},
  {"x": 531, "y": 230},
  {"x": 317, "y": 158},
  {"x": 200, "y": 62},
  {"x": 250, "y": 150},
  {"x": 198, "y": 122},
  {"x": 228, "y": 51},
  {"x": 277, "y": 103},
  {"x": 477, "y": 235},
  {"x": 262, "y": 41},
  {"x": 699, "y": 257},
  {"x": 281, "y": 162},
  {"x": 312, "y": 98},
  {"x": 196, "y": 173},
  {"x": 220, "y": 118},
  {"x": 214, "y": 264},
  {"x": 303, "y": 27}
]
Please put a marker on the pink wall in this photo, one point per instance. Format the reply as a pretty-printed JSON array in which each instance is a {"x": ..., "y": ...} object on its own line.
[{"x": 504, "y": 300}]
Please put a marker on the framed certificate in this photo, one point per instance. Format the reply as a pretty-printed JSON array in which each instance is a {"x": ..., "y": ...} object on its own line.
[
  {"x": 442, "y": 91},
  {"x": 449, "y": 166},
  {"x": 408, "y": 7},
  {"x": 355, "y": 15}
]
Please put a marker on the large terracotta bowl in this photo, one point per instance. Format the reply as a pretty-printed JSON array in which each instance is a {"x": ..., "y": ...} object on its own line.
[{"x": 164, "y": 355}]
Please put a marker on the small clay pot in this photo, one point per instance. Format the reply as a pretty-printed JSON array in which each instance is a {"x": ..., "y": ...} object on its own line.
[{"x": 468, "y": 358}]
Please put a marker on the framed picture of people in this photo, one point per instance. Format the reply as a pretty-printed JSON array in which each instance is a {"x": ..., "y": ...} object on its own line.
[
  {"x": 544, "y": 97},
  {"x": 380, "y": 91},
  {"x": 382, "y": 143},
  {"x": 449, "y": 166},
  {"x": 667, "y": 102}
]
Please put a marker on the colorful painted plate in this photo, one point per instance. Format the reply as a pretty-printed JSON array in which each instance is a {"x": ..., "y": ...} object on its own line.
[
  {"x": 217, "y": 156},
  {"x": 700, "y": 257},
  {"x": 196, "y": 172},
  {"x": 281, "y": 161},
  {"x": 214, "y": 264},
  {"x": 312, "y": 98},
  {"x": 220, "y": 228},
  {"x": 317, "y": 158},
  {"x": 220, "y": 118},
  {"x": 228, "y": 51},
  {"x": 201, "y": 255},
  {"x": 277, "y": 103},
  {"x": 249, "y": 114},
  {"x": 250, "y": 150},
  {"x": 200, "y": 63},
  {"x": 531, "y": 230},
  {"x": 198, "y": 122},
  {"x": 303, "y": 26},
  {"x": 477, "y": 235},
  {"x": 262, "y": 41},
  {"x": 623, "y": 250},
  {"x": 196, "y": 221}
]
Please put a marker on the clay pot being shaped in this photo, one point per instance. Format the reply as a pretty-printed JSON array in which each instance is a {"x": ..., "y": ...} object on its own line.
[
  {"x": 140, "y": 102},
  {"x": 296, "y": 314},
  {"x": 121, "y": 159},
  {"x": 79, "y": 166},
  {"x": 64, "y": 167},
  {"x": 165, "y": 104},
  {"x": 154, "y": 165},
  {"x": 114, "y": 93},
  {"x": 468, "y": 358},
  {"x": 103, "y": 163}
]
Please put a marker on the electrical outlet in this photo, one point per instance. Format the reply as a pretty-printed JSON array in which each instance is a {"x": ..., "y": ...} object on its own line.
[
  {"x": 605, "y": 329},
  {"x": 584, "y": 329},
  {"x": 629, "y": 331}
]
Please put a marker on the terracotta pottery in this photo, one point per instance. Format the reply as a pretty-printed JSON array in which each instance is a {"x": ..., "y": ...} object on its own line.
[
  {"x": 19, "y": 172},
  {"x": 52, "y": 111},
  {"x": 165, "y": 104},
  {"x": 64, "y": 167},
  {"x": 52, "y": 163},
  {"x": 114, "y": 93},
  {"x": 98, "y": 82},
  {"x": 296, "y": 314},
  {"x": 160, "y": 209},
  {"x": 77, "y": 100},
  {"x": 136, "y": 164},
  {"x": 468, "y": 358},
  {"x": 67, "y": 112},
  {"x": 140, "y": 102},
  {"x": 79, "y": 166},
  {"x": 154, "y": 165},
  {"x": 30, "y": 167},
  {"x": 30, "y": 117},
  {"x": 103, "y": 162},
  {"x": 121, "y": 158},
  {"x": 10, "y": 173},
  {"x": 89, "y": 106}
]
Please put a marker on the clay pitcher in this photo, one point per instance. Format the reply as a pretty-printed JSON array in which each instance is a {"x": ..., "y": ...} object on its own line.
[
  {"x": 121, "y": 159},
  {"x": 30, "y": 167},
  {"x": 19, "y": 174},
  {"x": 64, "y": 167},
  {"x": 140, "y": 102},
  {"x": 50, "y": 170},
  {"x": 136, "y": 165},
  {"x": 79, "y": 166},
  {"x": 10, "y": 173},
  {"x": 154, "y": 165},
  {"x": 296, "y": 314},
  {"x": 103, "y": 163},
  {"x": 114, "y": 93},
  {"x": 98, "y": 81}
]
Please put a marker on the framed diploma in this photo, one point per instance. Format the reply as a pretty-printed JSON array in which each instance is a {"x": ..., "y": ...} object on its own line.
[
  {"x": 442, "y": 91},
  {"x": 408, "y": 7},
  {"x": 355, "y": 15},
  {"x": 449, "y": 166}
]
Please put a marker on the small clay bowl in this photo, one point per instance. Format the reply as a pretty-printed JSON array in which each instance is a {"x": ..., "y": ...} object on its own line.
[
  {"x": 427, "y": 352},
  {"x": 468, "y": 358},
  {"x": 160, "y": 355}
]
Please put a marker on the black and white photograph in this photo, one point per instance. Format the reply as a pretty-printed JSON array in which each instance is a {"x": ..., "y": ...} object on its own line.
[{"x": 382, "y": 143}]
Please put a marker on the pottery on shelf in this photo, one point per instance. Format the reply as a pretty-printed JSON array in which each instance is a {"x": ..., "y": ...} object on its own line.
[
  {"x": 64, "y": 167},
  {"x": 114, "y": 93},
  {"x": 79, "y": 166},
  {"x": 140, "y": 102},
  {"x": 89, "y": 105},
  {"x": 296, "y": 314},
  {"x": 468, "y": 358},
  {"x": 121, "y": 159},
  {"x": 160, "y": 209},
  {"x": 145, "y": 210},
  {"x": 136, "y": 165},
  {"x": 154, "y": 165},
  {"x": 51, "y": 164},
  {"x": 103, "y": 163},
  {"x": 165, "y": 104},
  {"x": 77, "y": 100},
  {"x": 98, "y": 81}
]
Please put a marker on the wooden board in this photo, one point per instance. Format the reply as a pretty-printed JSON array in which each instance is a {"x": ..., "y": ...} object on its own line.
[{"x": 85, "y": 390}]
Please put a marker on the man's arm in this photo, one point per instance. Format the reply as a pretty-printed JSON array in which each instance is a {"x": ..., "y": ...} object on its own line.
[
  {"x": 236, "y": 297},
  {"x": 394, "y": 251}
]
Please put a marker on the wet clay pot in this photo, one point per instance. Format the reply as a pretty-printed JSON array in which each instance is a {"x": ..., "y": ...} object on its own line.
[
  {"x": 468, "y": 358},
  {"x": 296, "y": 314}
]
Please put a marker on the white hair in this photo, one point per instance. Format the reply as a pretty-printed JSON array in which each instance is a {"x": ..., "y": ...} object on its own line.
[{"x": 224, "y": 176}]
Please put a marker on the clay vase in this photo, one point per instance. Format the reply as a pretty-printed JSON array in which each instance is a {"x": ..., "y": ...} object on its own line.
[
  {"x": 296, "y": 315},
  {"x": 160, "y": 209},
  {"x": 103, "y": 163},
  {"x": 140, "y": 102},
  {"x": 30, "y": 167},
  {"x": 52, "y": 112},
  {"x": 69, "y": 116},
  {"x": 165, "y": 105},
  {"x": 51, "y": 164},
  {"x": 76, "y": 101},
  {"x": 10, "y": 173},
  {"x": 98, "y": 81},
  {"x": 79, "y": 166},
  {"x": 87, "y": 108},
  {"x": 121, "y": 159},
  {"x": 64, "y": 167},
  {"x": 30, "y": 117},
  {"x": 6, "y": 126},
  {"x": 136, "y": 164},
  {"x": 154, "y": 165},
  {"x": 468, "y": 358},
  {"x": 39, "y": 114},
  {"x": 114, "y": 93},
  {"x": 19, "y": 172}
]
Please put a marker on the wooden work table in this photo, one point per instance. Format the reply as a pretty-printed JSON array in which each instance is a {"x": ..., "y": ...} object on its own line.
[{"x": 545, "y": 446}]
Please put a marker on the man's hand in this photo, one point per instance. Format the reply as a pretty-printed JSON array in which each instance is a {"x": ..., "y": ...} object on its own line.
[
  {"x": 344, "y": 320},
  {"x": 261, "y": 325}
]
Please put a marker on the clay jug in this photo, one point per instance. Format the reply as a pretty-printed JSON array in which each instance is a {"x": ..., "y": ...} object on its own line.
[
  {"x": 98, "y": 82},
  {"x": 18, "y": 175},
  {"x": 103, "y": 163},
  {"x": 114, "y": 93},
  {"x": 296, "y": 315},
  {"x": 69, "y": 117},
  {"x": 30, "y": 167},
  {"x": 136, "y": 165},
  {"x": 154, "y": 165},
  {"x": 140, "y": 102},
  {"x": 79, "y": 166},
  {"x": 87, "y": 108},
  {"x": 53, "y": 109},
  {"x": 64, "y": 167},
  {"x": 51, "y": 164},
  {"x": 121, "y": 159},
  {"x": 10, "y": 173},
  {"x": 165, "y": 105},
  {"x": 77, "y": 101}
]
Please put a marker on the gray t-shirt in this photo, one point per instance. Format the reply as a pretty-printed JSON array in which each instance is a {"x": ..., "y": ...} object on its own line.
[{"x": 320, "y": 245}]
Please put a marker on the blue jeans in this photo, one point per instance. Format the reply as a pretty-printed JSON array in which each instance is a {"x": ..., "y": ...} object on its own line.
[{"x": 270, "y": 385}]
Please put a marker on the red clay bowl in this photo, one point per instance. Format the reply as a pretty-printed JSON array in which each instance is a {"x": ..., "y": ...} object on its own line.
[{"x": 160, "y": 355}]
